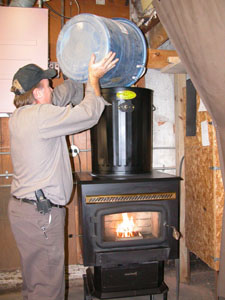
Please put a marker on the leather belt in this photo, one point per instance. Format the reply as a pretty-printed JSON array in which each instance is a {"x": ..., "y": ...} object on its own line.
[{"x": 33, "y": 202}]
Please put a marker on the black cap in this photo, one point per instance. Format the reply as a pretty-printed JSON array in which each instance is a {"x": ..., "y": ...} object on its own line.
[{"x": 28, "y": 76}]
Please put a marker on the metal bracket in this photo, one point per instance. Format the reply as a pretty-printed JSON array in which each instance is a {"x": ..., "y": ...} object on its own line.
[
  {"x": 54, "y": 65},
  {"x": 214, "y": 168},
  {"x": 215, "y": 258},
  {"x": 126, "y": 107},
  {"x": 74, "y": 150},
  {"x": 175, "y": 233}
]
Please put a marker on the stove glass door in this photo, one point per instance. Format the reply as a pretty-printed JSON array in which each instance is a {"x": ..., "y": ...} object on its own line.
[{"x": 132, "y": 226}]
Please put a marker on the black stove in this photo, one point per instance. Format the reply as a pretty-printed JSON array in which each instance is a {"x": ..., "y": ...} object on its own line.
[
  {"x": 129, "y": 213},
  {"x": 149, "y": 203}
]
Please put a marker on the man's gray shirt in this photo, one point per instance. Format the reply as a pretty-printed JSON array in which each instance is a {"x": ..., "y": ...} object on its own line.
[{"x": 39, "y": 150}]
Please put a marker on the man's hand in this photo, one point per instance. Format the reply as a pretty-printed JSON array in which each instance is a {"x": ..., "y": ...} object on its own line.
[{"x": 97, "y": 70}]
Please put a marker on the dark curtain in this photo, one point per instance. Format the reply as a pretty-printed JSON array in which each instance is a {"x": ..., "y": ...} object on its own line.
[{"x": 196, "y": 28}]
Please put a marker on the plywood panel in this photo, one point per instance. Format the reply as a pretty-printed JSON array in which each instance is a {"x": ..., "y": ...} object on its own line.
[{"x": 204, "y": 192}]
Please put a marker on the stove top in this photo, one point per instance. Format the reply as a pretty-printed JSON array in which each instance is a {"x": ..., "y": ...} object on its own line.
[{"x": 88, "y": 177}]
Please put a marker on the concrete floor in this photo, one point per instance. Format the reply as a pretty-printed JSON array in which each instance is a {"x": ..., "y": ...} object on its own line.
[{"x": 201, "y": 287}]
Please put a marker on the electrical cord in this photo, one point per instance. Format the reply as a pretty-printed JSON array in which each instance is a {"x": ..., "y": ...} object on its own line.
[
  {"x": 181, "y": 164},
  {"x": 54, "y": 11},
  {"x": 60, "y": 15},
  {"x": 78, "y": 6}
]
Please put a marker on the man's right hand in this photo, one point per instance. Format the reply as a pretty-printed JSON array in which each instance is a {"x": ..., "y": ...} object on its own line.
[{"x": 99, "y": 69}]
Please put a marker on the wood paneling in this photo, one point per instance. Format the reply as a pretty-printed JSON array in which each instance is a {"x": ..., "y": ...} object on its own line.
[
  {"x": 70, "y": 232},
  {"x": 9, "y": 255},
  {"x": 5, "y": 160}
]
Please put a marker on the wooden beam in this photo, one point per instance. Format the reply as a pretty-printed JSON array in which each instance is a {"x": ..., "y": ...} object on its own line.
[
  {"x": 175, "y": 66},
  {"x": 179, "y": 92},
  {"x": 157, "y": 36},
  {"x": 146, "y": 27},
  {"x": 158, "y": 59}
]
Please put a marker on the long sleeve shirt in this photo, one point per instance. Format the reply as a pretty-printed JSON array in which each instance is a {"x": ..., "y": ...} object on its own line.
[{"x": 39, "y": 150}]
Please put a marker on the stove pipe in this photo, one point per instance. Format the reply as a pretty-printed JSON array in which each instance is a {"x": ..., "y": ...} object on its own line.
[{"x": 122, "y": 140}]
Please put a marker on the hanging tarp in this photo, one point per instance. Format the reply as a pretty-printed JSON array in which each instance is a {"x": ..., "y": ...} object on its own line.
[{"x": 197, "y": 31}]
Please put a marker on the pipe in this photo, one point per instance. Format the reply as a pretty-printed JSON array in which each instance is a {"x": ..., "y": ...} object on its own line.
[
  {"x": 22, "y": 3},
  {"x": 62, "y": 13}
]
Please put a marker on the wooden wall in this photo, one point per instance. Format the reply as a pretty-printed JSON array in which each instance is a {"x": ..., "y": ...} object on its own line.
[{"x": 9, "y": 257}]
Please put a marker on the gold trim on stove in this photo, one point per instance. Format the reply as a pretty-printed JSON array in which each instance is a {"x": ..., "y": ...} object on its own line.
[{"x": 129, "y": 198}]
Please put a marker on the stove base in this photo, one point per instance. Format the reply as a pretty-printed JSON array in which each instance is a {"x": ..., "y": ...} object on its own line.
[{"x": 125, "y": 281}]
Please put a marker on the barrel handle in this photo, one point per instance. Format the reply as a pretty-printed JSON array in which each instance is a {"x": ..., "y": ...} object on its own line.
[{"x": 144, "y": 69}]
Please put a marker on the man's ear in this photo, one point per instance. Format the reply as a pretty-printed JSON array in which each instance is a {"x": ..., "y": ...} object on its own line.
[{"x": 38, "y": 94}]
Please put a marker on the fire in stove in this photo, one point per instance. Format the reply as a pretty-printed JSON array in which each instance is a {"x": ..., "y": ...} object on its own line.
[
  {"x": 127, "y": 229},
  {"x": 131, "y": 226}
]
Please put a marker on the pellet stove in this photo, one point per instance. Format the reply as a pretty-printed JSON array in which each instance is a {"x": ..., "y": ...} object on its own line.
[{"x": 129, "y": 213}]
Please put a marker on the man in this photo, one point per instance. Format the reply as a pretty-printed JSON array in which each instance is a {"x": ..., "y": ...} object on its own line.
[{"x": 42, "y": 181}]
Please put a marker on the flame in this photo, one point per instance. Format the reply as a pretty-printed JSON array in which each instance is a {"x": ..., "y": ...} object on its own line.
[{"x": 126, "y": 228}]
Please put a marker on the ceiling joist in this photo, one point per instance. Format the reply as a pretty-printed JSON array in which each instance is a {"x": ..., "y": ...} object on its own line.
[{"x": 158, "y": 59}]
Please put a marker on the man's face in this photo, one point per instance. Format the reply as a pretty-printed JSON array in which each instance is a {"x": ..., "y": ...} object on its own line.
[{"x": 45, "y": 92}]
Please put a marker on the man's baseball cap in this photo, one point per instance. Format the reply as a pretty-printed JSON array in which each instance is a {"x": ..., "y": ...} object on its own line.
[{"x": 28, "y": 76}]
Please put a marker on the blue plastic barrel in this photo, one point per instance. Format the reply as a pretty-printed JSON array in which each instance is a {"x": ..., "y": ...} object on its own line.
[{"x": 85, "y": 34}]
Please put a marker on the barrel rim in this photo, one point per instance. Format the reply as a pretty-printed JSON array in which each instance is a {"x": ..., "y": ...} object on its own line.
[
  {"x": 122, "y": 88},
  {"x": 141, "y": 35},
  {"x": 139, "y": 32}
]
